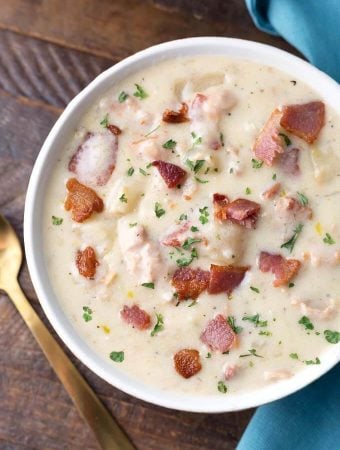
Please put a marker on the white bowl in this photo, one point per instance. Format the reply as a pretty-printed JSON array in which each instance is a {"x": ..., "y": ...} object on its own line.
[{"x": 327, "y": 88}]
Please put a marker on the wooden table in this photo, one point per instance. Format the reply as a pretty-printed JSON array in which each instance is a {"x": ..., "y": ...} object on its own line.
[{"x": 50, "y": 50}]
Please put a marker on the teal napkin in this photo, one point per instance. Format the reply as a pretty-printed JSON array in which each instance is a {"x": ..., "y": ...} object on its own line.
[
  {"x": 312, "y": 26},
  {"x": 307, "y": 420},
  {"x": 310, "y": 418}
]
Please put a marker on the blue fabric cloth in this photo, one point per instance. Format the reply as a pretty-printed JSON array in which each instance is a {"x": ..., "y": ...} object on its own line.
[
  {"x": 312, "y": 26},
  {"x": 309, "y": 419},
  {"x": 306, "y": 420}
]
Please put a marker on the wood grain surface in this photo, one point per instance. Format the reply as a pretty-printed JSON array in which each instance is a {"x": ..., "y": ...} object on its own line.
[{"x": 50, "y": 50}]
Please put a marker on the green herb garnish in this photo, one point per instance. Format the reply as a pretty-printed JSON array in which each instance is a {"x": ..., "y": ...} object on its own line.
[
  {"x": 333, "y": 337},
  {"x": 57, "y": 220},
  {"x": 252, "y": 352},
  {"x": 255, "y": 289},
  {"x": 122, "y": 97},
  {"x": 289, "y": 245},
  {"x": 306, "y": 323},
  {"x": 183, "y": 262},
  {"x": 159, "y": 211},
  {"x": 123, "y": 198},
  {"x": 265, "y": 333},
  {"x": 199, "y": 180},
  {"x": 256, "y": 163},
  {"x": 274, "y": 177},
  {"x": 294, "y": 356},
  {"x": 140, "y": 93},
  {"x": 142, "y": 171},
  {"x": 105, "y": 121},
  {"x": 149, "y": 285},
  {"x": 195, "y": 166},
  {"x": 286, "y": 139},
  {"x": 328, "y": 239},
  {"x": 256, "y": 320},
  {"x": 302, "y": 199},
  {"x": 231, "y": 322},
  {"x": 248, "y": 191},
  {"x": 189, "y": 241},
  {"x": 311, "y": 361},
  {"x": 170, "y": 144},
  {"x": 131, "y": 225},
  {"x": 117, "y": 356},
  {"x": 159, "y": 325},
  {"x": 87, "y": 314},
  {"x": 208, "y": 355},
  {"x": 152, "y": 131},
  {"x": 222, "y": 387},
  {"x": 194, "y": 229},
  {"x": 130, "y": 172},
  {"x": 183, "y": 217},
  {"x": 204, "y": 214}
]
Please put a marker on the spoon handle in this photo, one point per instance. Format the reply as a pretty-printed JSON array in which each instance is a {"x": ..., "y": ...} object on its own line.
[{"x": 107, "y": 431}]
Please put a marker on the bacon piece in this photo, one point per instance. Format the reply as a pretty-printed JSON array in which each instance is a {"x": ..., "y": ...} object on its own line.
[
  {"x": 218, "y": 334},
  {"x": 225, "y": 278},
  {"x": 268, "y": 144},
  {"x": 114, "y": 129},
  {"x": 289, "y": 161},
  {"x": 283, "y": 269},
  {"x": 190, "y": 283},
  {"x": 86, "y": 262},
  {"x": 289, "y": 209},
  {"x": 82, "y": 201},
  {"x": 240, "y": 211},
  {"x": 187, "y": 362},
  {"x": 176, "y": 235},
  {"x": 172, "y": 175},
  {"x": 304, "y": 121},
  {"x": 272, "y": 191},
  {"x": 180, "y": 116},
  {"x": 135, "y": 316},
  {"x": 95, "y": 159}
]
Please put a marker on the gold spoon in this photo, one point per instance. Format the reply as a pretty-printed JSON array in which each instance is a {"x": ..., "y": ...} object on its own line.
[{"x": 107, "y": 431}]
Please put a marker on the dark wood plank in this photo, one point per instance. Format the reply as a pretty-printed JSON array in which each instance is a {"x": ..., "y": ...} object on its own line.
[{"x": 118, "y": 28}]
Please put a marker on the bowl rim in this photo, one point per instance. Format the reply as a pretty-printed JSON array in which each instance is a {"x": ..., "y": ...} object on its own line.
[{"x": 239, "y": 49}]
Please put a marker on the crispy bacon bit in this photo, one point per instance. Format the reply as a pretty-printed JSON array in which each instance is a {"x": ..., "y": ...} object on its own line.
[
  {"x": 240, "y": 211},
  {"x": 225, "y": 278},
  {"x": 290, "y": 209},
  {"x": 305, "y": 121},
  {"x": 283, "y": 269},
  {"x": 190, "y": 283},
  {"x": 114, "y": 129},
  {"x": 272, "y": 191},
  {"x": 82, "y": 201},
  {"x": 187, "y": 362},
  {"x": 218, "y": 334},
  {"x": 135, "y": 316},
  {"x": 86, "y": 262},
  {"x": 172, "y": 175},
  {"x": 289, "y": 161},
  {"x": 95, "y": 159},
  {"x": 180, "y": 116},
  {"x": 268, "y": 143}
]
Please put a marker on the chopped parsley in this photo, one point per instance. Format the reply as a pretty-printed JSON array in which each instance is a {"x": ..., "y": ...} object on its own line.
[
  {"x": 252, "y": 352},
  {"x": 311, "y": 361},
  {"x": 159, "y": 211},
  {"x": 274, "y": 176},
  {"x": 149, "y": 285},
  {"x": 221, "y": 387},
  {"x": 302, "y": 199},
  {"x": 248, "y": 191},
  {"x": 195, "y": 166},
  {"x": 142, "y": 171},
  {"x": 188, "y": 242},
  {"x": 140, "y": 93},
  {"x": 130, "y": 171},
  {"x": 122, "y": 97},
  {"x": 294, "y": 356},
  {"x": 117, "y": 356},
  {"x": 306, "y": 323},
  {"x": 131, "y": 225},
  {"x": 289, "y": 245},
  {"x": 204, "y": 214},
  {"x": 57, "y": 220},
  {"x": 123, "y": 198},
  {"x": 290, "y": 285},
  {"x": 183, "y": 262},
  {"x": 183, "y": 217},
  {"x": 328, "y": 239},
  {"x": 255, "y": 289},
  {"x": 159, "y": 325},
  {"x": 194, "y": 229},
  {"x": 170, "y": 144},
  {"x": 197, "y": 140},
  {"x": 199, "y": 180},
  {"x": 87, "y": 314},
  {"x": 222, "y": 139},
  {"x": 208, "y": 355},
  {"x": 193, "y": 303},
  {"x": 285, "y": 138},
  {"x": 105, "y": 121},
  {"x": 231, "y": 322},
  {"x": 265, "y": 333},
  {"x": 333, "y": 337},
  {"x": 256, "y": 320},
  {"x": 152, "y": 131},
  {"x": 256, "y": 163}
]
